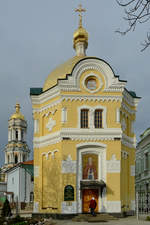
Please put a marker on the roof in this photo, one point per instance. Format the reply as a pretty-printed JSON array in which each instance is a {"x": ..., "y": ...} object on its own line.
[
  {"x": 61, "y": 71},
  {"x": 30, "y": 162},
  {"x": 28, "y": 166}
]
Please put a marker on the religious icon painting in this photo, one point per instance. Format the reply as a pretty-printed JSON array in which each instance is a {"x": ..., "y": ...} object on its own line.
[{"x": 90, "y": 166}]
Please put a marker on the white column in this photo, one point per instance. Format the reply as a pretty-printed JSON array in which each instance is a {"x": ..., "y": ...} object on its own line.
[
  {"x": 6, "y": 158},
  {"x": 64, "y": 115},
  {"x": 19, "y": 134},
  {"x": 91, "y": 118},
  {"x": 21, "y": 157},
  {"x": 13, "y": 135},
  {"x": 117, "y": 115},
  {"x": 80, "y": 49},
  {"x": 24, "y": 135},
  {"x": 12, "y": 157},
  {"x": 9, "y": 135}
]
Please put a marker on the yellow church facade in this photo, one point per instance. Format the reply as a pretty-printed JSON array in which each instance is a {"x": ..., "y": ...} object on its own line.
[{"x": 84, "y": 142}]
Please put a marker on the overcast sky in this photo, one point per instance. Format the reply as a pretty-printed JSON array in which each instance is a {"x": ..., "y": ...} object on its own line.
[{"x": 36, "y": 36}]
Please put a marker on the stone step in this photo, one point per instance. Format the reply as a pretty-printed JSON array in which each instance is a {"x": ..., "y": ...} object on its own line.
[{"x": 96, "y": 218}]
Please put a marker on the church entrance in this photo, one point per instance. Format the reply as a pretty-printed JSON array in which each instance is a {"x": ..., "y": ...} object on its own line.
[{"x": 87, "y": 195}]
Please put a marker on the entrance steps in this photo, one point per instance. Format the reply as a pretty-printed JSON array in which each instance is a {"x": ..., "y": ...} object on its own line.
[{"x": 97, "y": 218}]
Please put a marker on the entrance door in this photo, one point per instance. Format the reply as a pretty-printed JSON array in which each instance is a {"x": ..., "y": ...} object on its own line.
[{"x": 87, "y": 195}]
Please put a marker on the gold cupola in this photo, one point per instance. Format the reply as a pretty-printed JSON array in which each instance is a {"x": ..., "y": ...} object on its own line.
[
  {"x": 80, "y": 36},
  {"x": 17, "y": 114}
]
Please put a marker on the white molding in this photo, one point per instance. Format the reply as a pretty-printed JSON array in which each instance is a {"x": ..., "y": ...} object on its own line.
[
  {"x": 36, "y": 207},
  {"x": 50, "y": 153},
  {"x": 50, "y": 139},
  {"x": 70, "y": 208},
  {"x": 123, "y": 124},
  {"x": 129, "y": 99},
  {"x": 112, "y": 83},
  {"x": 68, "y": 165},
  {"x": 64, "y": 115},
  {"x": 36, "y": 126},
  {"x": 90, "y": 149},
  {"x": 128, "y": 141},
  {"x": 132, "y": 170},
  {"x": 113, "y": 206},
  {"x": 128, "y": 109},
  {"x": 98, "y": 78},
  {"x": 86, "y": 144},
  {"x": 118, "y": 115},
  {"x": 77, "y": 134},
  {"x": 113, "y": 165},
  {"x": 45, "y": 96},
  {"x": 51, "y": 123},
  {"x": 91, "y": 98},
  {"x": 36, "y": 171},
  {"x": 54, "y": 103}
]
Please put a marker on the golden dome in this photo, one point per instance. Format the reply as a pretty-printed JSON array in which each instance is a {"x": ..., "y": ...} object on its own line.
[
  {"x": 61, "y": 71},
  {"x": 80, "y": 35},
  {"x": 17, "y": 114}
]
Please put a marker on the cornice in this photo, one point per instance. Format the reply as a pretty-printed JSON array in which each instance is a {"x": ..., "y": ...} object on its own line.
[
  {"x": 54, "y": 103},
  {"x": 91, "y": 98},
  {"x": 129, "y": 99},
  {"x": 128, "y": 109},
  {"x": 46, "y": 96},
  {"x": 77, "y": 134},
  {"x": 77, "y": 98},
  {"x": 128, "y": 141}
]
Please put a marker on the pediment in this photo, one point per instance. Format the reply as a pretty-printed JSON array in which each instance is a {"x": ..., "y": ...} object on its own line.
[{"x": 109, "y": 79}]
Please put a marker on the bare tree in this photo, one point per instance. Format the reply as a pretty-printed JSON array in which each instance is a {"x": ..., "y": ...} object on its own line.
[{"x": 136, "y": 11}]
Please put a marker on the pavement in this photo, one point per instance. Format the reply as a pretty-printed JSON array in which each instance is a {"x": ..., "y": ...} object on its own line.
[{"x": 131, "y": 220}]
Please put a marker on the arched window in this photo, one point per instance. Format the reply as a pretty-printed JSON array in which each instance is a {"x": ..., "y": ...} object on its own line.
[
  {"x": 8, "y": 159},
  {"x": 31, "y": 196},
  {"x": 24, "y": 158},
  {"x": 84, "y": 118},
  {"x": 16, "y": 159},
  {"x": 98, "y": 118},
  {"x": 16, "y": 134},
  {"x": 22, "y": 136},
  {"x": 69, "y": 193}
]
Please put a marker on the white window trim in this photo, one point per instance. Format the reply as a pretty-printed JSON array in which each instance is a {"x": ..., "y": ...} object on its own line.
[
  {"x": 64, "y": 115},
  {"x": 91, "y": 116},
  {"x": 118, "y": 115}
]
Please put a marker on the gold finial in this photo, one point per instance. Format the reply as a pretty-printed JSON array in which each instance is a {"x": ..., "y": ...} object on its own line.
[
  {"x": 17, "y": 107},
  {"x": 80, "y": 10}
]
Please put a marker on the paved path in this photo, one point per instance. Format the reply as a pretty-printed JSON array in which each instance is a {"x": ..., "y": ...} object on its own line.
[{"x": 123, "y": 221}]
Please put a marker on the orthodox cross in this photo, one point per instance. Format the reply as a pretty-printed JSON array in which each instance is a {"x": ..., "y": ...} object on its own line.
[{"x": 80, "y": 10}]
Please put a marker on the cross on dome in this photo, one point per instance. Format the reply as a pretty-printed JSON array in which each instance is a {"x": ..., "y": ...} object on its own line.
[{"x": 80, "y": 10}]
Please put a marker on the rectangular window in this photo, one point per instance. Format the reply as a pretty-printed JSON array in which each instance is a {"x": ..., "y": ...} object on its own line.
[
  {"x": 146, "y": 161},
  {"x": 16, "y": 134},
  {"x": 84, "y": 118},
  {"x": 98, "y": 118}
]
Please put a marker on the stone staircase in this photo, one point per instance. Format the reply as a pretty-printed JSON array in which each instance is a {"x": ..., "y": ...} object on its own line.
[{"x": 98, "y": 218}]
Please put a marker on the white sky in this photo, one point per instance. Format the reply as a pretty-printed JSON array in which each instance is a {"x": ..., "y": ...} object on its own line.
[{"x": 36, "y": 36}]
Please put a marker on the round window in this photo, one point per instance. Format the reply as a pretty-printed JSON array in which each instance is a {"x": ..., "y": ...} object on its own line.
[{"x": 91, "y": 84}]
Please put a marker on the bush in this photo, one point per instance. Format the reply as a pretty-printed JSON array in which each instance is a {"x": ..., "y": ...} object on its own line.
[{"x": 148, "y": 218}]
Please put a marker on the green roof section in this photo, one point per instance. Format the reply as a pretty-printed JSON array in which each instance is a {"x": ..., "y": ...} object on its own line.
[
  {"x": 133, "y": 94},
  {"x": 36, "y": 91},
  {"x": 28, "y": 168},
  {"x": 145, "y": 133}
]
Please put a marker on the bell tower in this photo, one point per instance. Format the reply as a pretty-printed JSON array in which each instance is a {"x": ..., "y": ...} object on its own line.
[{"x": 17, "y": 149}]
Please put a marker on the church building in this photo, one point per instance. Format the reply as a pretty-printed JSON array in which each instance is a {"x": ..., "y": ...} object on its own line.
[{"x": 84, "y": 141}]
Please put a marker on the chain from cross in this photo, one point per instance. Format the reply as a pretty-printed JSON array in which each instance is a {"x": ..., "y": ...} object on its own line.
[{"x": 80, "y": 10}]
